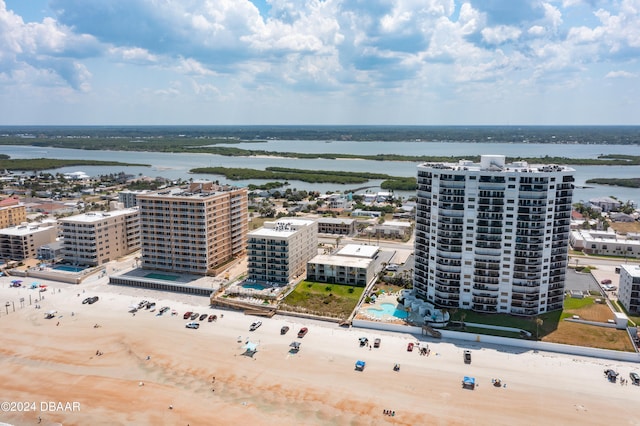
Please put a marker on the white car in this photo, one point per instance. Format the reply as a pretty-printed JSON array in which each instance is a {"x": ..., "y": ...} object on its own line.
[
  {"x": 193, "y": 325},
  {"x": 255, "y": 325}
]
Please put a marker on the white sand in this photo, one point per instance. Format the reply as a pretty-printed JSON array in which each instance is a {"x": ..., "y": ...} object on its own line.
[{"x": 41, "y": 361}]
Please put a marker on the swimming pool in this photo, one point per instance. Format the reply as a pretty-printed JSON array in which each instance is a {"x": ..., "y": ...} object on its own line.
[
  {"x": 253, "y": 286},
  {"x": 68, "y": 268},
  {"x": 164, "y": 277},
  {"x": 387, "y": 309}
]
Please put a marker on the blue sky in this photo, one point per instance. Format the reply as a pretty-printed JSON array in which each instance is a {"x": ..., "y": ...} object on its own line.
[{"x": 421, "y": 62}]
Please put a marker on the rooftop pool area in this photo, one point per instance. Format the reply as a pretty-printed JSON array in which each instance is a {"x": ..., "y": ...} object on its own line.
[{"x": 68, "y": 268}]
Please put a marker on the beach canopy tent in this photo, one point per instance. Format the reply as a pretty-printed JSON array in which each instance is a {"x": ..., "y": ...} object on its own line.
[
  {"x": 250, "y": 348},
  {"x": 50, "y": 314},
  {"x": 34, "y": 285},
  {"x": 295, "y": 346},
  {"x": 360, "y": 365},
  {"x": 468, "y": 382}
]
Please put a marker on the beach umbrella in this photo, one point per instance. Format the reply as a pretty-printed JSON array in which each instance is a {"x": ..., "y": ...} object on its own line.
[
  {"x": 16, "y": 281},
  {"x": 43, "y": 286}
]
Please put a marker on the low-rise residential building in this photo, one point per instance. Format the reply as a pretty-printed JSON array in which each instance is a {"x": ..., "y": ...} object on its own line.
[
  {"x": 278, "y": 252},
  {"x": 629, "y": 288},
  {"x": 51, "y": 252},
  {"x": 23, "y": 241},
  {"x": 96, "y": 238},
  {"x": 606, "y": 243},
  {"x": 336, "y": 201},
  {"x": 354, "y": 265},
  {"x": 605, "y": 204},
  {"x": 391, "y": 229},
  {"x": 365, "y": 213},
  {"x": 336, "y": 226}
]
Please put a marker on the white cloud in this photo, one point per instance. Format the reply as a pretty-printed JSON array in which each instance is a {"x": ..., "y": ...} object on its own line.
[
  {"x": 621, "y": 74},
  {"x": 500, "y": 34},
  {"x": 536, "y": 30},
  {"x": 221, "y": 51}
]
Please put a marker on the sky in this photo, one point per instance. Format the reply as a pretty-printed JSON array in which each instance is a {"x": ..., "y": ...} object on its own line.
[{"x": 320, "y": 62}]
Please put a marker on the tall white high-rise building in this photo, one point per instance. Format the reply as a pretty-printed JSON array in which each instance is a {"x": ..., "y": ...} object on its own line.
[{"x": 493, "y": 236}]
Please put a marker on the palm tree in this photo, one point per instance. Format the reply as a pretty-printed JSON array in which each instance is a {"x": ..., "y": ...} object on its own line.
[{"x": 539, "y": 322}]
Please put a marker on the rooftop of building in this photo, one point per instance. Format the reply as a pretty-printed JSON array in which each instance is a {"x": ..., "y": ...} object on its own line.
[
  {"x": 359, "y": 251},
  {"x": 338, "y": 260},
  {"x": 91, "y": 217},
  {"x": 281, "y": 228},
  {"x": 27, "y": 228},
  {"x": 396, "y": 223},
  {"x": 196, "y": 190},
  {"x": 497, "y": 163},
  {"x": 336, "y": 220},
  {"x": 633, "y": 270}
]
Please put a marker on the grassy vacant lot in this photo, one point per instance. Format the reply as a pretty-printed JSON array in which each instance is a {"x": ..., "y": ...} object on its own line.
[
  {"x": 572, "y": 333},
  {"x": 626, "y": 227},
  {"x": 554, "y": 329},
  {"x": 331, "y": 300}
]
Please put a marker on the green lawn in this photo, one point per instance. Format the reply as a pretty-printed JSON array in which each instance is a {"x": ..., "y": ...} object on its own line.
[
  {"x": 549, "y": 320},
  {"x": 333, "y": 300},
  {"x": 571, "y": 303}
]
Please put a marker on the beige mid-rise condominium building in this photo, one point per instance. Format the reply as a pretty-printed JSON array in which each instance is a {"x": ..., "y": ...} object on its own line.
[
  {"x": 197, "y": 230},
  {"x": 96, "y": 238}
]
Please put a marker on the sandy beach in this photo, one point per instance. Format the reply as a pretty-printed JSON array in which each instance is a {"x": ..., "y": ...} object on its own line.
[{"x": 153, "y": 370}]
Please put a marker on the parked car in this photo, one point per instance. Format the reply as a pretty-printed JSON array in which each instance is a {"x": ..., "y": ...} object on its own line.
[
  {"x": 605, "y": 282},
  {"x": 303, "y": 331},
  {"x": 255, "y": 325},
  {"x": 202, "y": 317},
  {"x": 193, "y": 325},
  {"x": 467, "y": 357},
  {"x": 635, "y": 378},
  {"x": 284, "y": 329},
  {"x": 164, "y": 309},
  {"x": 211, "y": 317},
  {"x": 194, "y": 315},
  {"x": 85, "y": 301},
  {"x": 363, "y": 341},
  {"x": 376, "y": 342},
  {"x": 93, "y": 300},
  {"x": 150, "y": 305},
  {"x": 187, "y": 315},
  {"x": 410, "y": 347}
]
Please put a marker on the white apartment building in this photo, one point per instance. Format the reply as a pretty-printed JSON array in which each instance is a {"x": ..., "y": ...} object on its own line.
[
  {"x": 493, "y": 237},
  {"x": 606, "y": 243},
  {"x": 23, "y": 241},
  {"x": 96, "y": 238},
  {"x": 278, "y": 253},
  {"x": 353, "y": 265},
  {"x": 629, "y": 288},
  {"x": 198, "y": 230}
]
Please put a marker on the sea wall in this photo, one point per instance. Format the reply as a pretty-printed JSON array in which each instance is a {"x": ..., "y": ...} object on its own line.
[{"x": 504, "y": 341}]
